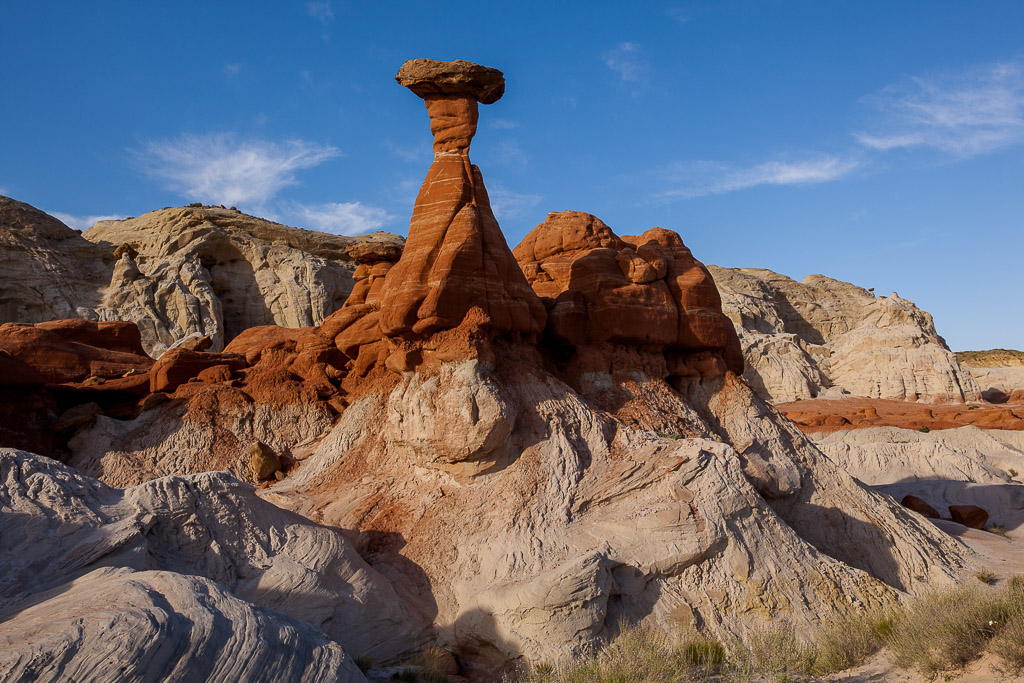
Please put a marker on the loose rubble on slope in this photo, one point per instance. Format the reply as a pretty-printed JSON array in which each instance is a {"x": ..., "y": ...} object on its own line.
[{"x": 504, "y": 453}]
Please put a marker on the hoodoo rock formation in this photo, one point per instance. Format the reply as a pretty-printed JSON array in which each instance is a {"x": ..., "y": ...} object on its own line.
[
  {"x": 456, "y": 257},
  {"x": 532, "y": 467},
  {"x": 524, "y": 448},
  {"x": 645, "y": 291}
]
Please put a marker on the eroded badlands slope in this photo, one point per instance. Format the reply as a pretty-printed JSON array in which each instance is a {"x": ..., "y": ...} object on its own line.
[{"x": 525, "y": 447}]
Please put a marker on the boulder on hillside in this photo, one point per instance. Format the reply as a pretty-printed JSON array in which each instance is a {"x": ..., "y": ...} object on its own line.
[
  {"x": 178, "y": 366},
  {"x": 919, "y": 506},
  {"x": 969, "y": 515}
]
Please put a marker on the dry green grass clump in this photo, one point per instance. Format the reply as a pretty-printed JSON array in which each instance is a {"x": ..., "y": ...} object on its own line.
[
  {"x": 1008, "y": 642},
  {"x": 945, "y": 629},
  {"x": 941, "y": 631},
  {"x": 640, "y": 654}
]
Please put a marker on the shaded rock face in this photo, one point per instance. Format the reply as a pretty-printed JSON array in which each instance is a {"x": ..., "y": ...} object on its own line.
[
  {"x": 803, "y": 339},
  {"x": 56, "y": 366},
  {"x": 87, "y": 392},
  {"x": 216, "y": 272},
  {"x": 159, "y": 560},
  {"x": 50, "y": 272}
]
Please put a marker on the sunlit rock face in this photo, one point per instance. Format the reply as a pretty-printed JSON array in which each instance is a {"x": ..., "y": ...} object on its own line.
[{"x": 803, "y": 339}]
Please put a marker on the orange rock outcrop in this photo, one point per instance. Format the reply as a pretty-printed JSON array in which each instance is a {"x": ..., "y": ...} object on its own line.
[
  {"x": 647, "y": 290},
  {"x": 828, "y": 415},
  {"x": 455, "y": 257}
]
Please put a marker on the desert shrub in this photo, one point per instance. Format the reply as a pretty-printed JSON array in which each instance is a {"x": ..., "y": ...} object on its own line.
[
  {"x": 997, "y": 529},
  {"x": 363, "y": 662},
  {"x": 430, "y": 665},
  {"x": 985, "y": 576},
  {"x": 1012, "y": 472},
  {"x": 639, "y": 653},
  {"x": 773, "y": 649},
  {"x": 848, "y": 641},
  {"x": 946, "y": 628},
  {"x": 924, "y": 429},
  {"x": 1008, "y": 643},
  {"x": 426, "y": 667}
]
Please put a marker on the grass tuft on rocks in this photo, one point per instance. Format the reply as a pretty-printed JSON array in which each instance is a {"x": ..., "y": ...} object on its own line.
[{"x": 941, "y": 631}]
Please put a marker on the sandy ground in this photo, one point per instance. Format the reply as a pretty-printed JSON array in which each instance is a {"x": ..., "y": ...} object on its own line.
[{"x": 880, "y": 668}]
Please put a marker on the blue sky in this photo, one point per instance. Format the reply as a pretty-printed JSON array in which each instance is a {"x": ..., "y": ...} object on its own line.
[{"x": 876, "y": 142}]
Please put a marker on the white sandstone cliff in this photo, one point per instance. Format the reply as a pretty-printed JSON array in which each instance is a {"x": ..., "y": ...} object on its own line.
[{"x": 801, "y": 339}]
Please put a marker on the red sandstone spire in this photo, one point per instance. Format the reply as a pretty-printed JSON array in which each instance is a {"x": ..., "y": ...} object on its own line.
[{"x": 456, "y": 257}]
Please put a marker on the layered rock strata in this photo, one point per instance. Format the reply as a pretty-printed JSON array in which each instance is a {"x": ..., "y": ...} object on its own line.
[
  {"x": 88, "y": 393},
  {"x": 158, "y": 567},
  {"x": 200, "y": 271},
  {"x": 826, "y": 337},
  {"x": 49, "y": 271},
  {"x": 825, "y": 414},
  {"x": 456, "y": 257}
]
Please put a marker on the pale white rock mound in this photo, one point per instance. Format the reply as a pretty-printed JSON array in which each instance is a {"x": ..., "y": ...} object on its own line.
[
  {"x": 802, "y": 338},
  {"x": 118, "y": 624},
  {"x": 49, "y": 271},
  {"x": 999, "y": 381},
  {"x": 176, "y": 272},
  {"x": 216, "y": 272},
  {"x": 57, "y": 526},
  {"x": 889, "y": 455},
  {"x": 555, "y": 517}
]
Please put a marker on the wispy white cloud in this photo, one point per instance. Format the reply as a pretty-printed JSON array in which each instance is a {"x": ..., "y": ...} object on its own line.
[
  {"x": 231, "y": 70},
  {"x": 509, "y": 153},
  {"x": 346, "y": 218},
  {"x": 633, "y": 70},
  {"x": 321, "y": 11},
  {"x": 502, "y": 124},
  {"x": 967, "y": 112},
  {"x": 224, "y": 169},
  {"x": 83, "y": 222},
  {"x": 698, "y": 178},
  {"x": 508, "y": 205},
  {"x": 418, "y": 153},
  {"x": 679, "y": 14}
]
